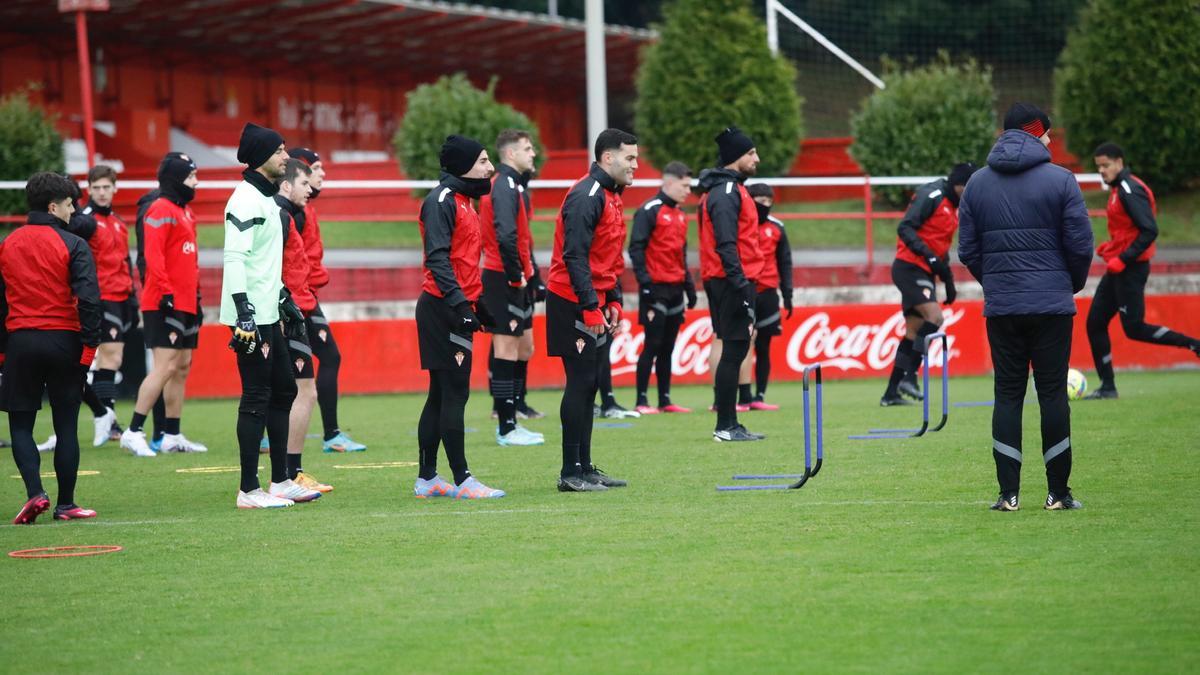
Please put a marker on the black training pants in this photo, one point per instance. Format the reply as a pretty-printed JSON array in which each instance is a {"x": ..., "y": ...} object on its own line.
[
  {"x": 1044, "y": 341},
  {"x": 268, "y": 389}
]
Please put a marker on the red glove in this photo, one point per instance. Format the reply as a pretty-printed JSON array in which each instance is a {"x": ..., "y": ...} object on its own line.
[
  {"x": 592, "y": 317},
  {"x": 1, "y": 358},
  {"x": 89, "y": 355},
  {"x": 1116, "y": 265},
  {"x": 611, "y": 307}
]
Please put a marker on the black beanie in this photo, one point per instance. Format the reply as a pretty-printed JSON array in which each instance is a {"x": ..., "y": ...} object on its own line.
[
  {"x": 732, "y": 143},
  {"x": 961, "y": 173},
  {"x": 459, "y": 154},
  {"x": 305, "y": 155},
  {"x": 1028, "y": 118},
  {"x": 257, "y": 145},
  {"x": 175, "y": 168}
]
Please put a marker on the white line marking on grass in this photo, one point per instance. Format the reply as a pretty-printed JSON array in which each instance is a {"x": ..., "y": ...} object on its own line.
[
  {"x": 461, "y": 513},
  {"x": 122, "y": 523}
]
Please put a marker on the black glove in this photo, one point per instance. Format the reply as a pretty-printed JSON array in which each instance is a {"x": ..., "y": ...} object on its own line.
[
  {"x": 467, "y": 321},
  {"x": 749, "y": 295},
  {"x": 787, "y": 303},
  {"x": 166, "y": 304},
  {"x": 951, "y": 293},
  {"x": 539, "y": 288},
  {"x": 940, "y": 267},
  {"x": 246, "y": 337},
  {"x": 199, "y": 311},
  {"x": 296, "y": 330},
  {"x": 288, "y": 310},
  {"x": 690, "y": 291}
]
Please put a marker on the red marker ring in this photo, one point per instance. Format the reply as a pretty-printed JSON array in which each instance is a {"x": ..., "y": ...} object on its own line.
[{"x": 64, "y": 551}]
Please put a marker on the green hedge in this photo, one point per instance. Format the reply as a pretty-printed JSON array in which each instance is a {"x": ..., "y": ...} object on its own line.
[
  {"x": 28, "y": 144},
  {"x": 1130, "y": 74},
  {"x": 925, "y": 121},
  {"x": 452, "y": 105},
  {"x": 709, "y": 69}
]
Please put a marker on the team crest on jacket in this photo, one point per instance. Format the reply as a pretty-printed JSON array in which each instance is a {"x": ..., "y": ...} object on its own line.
[
  {"x": 113, "y": 332},
  {"x": 266, "y": 350},
  {"x": 299, "y": 365},
  {"x": 459, "y": 356},
  {"x": 927, "y": 292},
  {"x": 579, "y": 345},
  {"x": 321, "y": 334},
  {"x": 512, "y": 324},
  {"x": 650, "y": 314},
  {"x": 172, "y": 336}
]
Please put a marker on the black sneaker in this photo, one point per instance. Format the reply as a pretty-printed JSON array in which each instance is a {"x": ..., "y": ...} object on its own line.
[
  {"x": 578, "y": 484},
  {"x": 894, "y": 399},
  {"x": 911, "y": 390},
  {"x": 1061, "y": 503},
  {"x": 735, "y": 434},
  {"x": 599, "y": 477},
  {"x": 1101, "y": 393},
  {"x": 525, "y": 412},
  {"x": 1006, "y": 502}
]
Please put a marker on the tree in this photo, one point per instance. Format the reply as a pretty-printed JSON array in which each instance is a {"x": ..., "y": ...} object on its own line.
[
  {"x": 1130, "y": 74},
  {"x": 710, "y": 69},
  {"x": 28, "y": 144},
  {"x": 925, "y": 121},
  {"x": 452, "y": 105}
]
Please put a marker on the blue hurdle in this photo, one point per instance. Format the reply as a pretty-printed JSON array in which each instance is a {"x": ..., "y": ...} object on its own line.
[{"x": 880, "y": 434}]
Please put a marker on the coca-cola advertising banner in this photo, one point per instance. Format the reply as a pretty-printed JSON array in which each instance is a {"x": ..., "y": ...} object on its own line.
[{"x": 381, "y": 356}]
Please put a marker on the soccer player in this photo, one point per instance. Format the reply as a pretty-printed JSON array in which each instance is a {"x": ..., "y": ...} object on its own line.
[
  {"x": 1131, "y": 233},
  {"x": 170, "y": 305},
  {"x": 774, "y": 283},
  {"x": 923, "y": 253},
  {"x": 583, "y": 306},
  {"x": 293, "y": 195},
  {"x": 507, "y": 271},
  {"x": 447, "y": 315},
  {"x": 658, "y": 250},
  {"x": 1024, "y": 234},
  {"x": 255, "y": 304},
  {"x": 49, "y": 329},
  {"x": 731, "y": 261},
  {"x": 325, "y": 349}
]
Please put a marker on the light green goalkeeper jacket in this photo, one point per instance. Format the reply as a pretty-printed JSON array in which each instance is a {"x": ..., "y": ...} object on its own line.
[{"x": 253, "y": 250}]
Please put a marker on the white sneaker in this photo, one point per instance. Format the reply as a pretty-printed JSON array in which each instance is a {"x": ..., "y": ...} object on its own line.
[
  {"x": 531, "y": 431},
  {"x": 290, "y": 491},
  {"x": 49, "y": 445},
  {"x": 257, "y": 499},
  {"x": 471, "y": 488},
  {"x": 519, "y": 436},
  {"x": 135, "y": 442},
  {"x": 103, "y": 427},
  {"x": 180, "y": 443}
]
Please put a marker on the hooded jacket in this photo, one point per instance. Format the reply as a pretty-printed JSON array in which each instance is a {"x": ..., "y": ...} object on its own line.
[
  {"x": 589, "y": 238},
  {"x": 1131, "y": 220},
  {"x": 729, "y": 245},
  {"x": 1024, "y": 231},
  {"x": 296, "y": 269},
  {"x": 452, "y": 241}
]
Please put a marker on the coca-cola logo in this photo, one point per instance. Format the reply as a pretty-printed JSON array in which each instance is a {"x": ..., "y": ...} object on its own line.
[{"x": 817, "y": 339}]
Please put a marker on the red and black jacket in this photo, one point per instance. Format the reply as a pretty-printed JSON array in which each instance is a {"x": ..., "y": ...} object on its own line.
[
  {"x": 927, "y": 229},
  {"x": 110, "y": 249},
  {"x": 296, "y": 270},
  {"x": 169, "y": 247},
  {"x": 48, "y": 281},
  {"x": 450, "y": 233},
  {"x": 310, "y": 232},
  {"x": 658, "y": 247},
  {"x": 728, "y": 229},
  {"x": 1132, "y": 227},
  {"x": 777, "y": 257},
  {"x": 589, "y": 239},
  {"x": 504, "y": 219}
]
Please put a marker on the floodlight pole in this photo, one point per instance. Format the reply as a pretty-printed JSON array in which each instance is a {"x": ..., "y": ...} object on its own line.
[
  {"x": 85, "y": 85},
  {"x": 597, "y": 79},
  {"x": 772, "y": 27}
]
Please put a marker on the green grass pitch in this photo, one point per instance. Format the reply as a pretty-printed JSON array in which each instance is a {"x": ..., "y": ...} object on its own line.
[{"x": 888, "y": 561}]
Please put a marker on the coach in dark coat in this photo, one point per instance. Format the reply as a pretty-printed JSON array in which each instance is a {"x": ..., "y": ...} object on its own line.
[{"x": 1024, "y": 234}]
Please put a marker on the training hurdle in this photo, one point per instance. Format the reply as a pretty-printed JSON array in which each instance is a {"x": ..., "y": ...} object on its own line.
[
  {"x": 878, "y": 434},
  {"x": 810, "y": 469}
]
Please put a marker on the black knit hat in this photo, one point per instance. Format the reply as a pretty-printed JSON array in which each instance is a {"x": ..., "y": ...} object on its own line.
[
  {"x": 459, "y": 154},
  {"x": 305, "y": 155},
  {"x": 1028, "y": 118},
  {"x": 175, "y": 168},
  {"x": 732, "y": 143},
  {"x": 257, "y": 145},
  {"x": 961, "y": 173}
]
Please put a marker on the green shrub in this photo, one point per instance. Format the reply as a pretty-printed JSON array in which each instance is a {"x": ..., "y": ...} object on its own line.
[
  {"x": 452, "y": 105},
  {"x": 28, "y": 144},
  {"x": 1130, "y": 74},
  {"x": 925, "y": 121},
  {"x": 709, "y": 69}
]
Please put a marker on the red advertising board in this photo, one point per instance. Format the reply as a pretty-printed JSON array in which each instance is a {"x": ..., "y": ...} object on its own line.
[{"x": 851, "y": 341}]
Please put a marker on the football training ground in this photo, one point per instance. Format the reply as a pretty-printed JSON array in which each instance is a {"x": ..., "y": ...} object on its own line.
[{"x": 888, "y": 561}]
